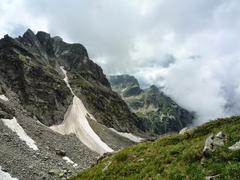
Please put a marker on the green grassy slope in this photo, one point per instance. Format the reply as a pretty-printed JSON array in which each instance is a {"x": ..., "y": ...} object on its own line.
[{"x": 174, "y": 156}]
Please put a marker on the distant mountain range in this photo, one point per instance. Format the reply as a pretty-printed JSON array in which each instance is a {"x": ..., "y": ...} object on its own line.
[{"x": 160, "y": 113}]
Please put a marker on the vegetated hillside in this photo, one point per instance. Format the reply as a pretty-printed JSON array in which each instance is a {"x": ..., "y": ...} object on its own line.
[
  {"x": 159, "y": 112},
  {"x": 175, "y": 156}
]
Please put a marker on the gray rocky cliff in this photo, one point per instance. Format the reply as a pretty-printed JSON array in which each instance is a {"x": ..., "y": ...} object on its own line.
[{"x": 30, "y": 67}]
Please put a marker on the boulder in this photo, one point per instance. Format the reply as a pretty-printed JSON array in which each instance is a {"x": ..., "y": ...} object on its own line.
[
  {"x": 213, "y": 142},
  {"x": 220, "y": 139},
  {"x": 235, "y": 146},
  {"x": 184, "y": 130}
]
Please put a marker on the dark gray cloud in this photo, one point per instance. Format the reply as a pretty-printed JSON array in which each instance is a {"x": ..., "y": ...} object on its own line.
[{"x": 190, "y": 47}]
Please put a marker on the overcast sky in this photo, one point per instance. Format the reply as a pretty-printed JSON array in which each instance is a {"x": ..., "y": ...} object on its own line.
[{"x": 190, "y": 47}]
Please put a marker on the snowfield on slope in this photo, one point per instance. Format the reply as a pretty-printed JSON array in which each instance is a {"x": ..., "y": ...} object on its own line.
[
  {"x": 15, "y": 127},
  {"x": 84, "y": 110},
  {"x": 3, "y": 97},
  {"x": 75, "y": 122},
  {"x": 130, "y": 136},
  {"x": 69, "y": 161},
  {"x": 5, "y": 175}
]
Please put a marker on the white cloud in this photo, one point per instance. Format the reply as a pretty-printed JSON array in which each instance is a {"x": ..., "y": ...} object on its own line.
[
  {"x": 152, "y": 39},
  {"x": 15, "y": 18}
]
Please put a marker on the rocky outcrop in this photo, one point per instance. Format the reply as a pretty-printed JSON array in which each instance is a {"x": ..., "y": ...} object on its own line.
[
  {"x": 159, "y": 112},
  {"x": 213, "y": 142},
  {"x": 187, "y": 130},
  {"x": 235, "y": 146}
]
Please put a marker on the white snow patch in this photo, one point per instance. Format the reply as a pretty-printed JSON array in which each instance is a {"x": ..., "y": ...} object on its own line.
[
  {"x": 75, "y": 122},
  {"x": 68, "y": 85},
  {"x": 15, "y": 127},
  {"x": 69, "y": 161},
  {"x": 130, "y": 136},
  {"x": 5, "y": 175},
  {"x": 183, "y": 130},
  {"x": 235, "y": 147},
  {"x": 65, "y": 52},
  {"x": 124, "y": 89},
  {"x": 66, "y": 79},
  {"x": 4, "y": 98}
]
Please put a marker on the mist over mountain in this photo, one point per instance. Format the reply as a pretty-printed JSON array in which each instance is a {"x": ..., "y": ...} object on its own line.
[
  {"x": 202, "y": 37},
  {"x": 159, "y": 112},
  {"x": 124, "y": 89}
]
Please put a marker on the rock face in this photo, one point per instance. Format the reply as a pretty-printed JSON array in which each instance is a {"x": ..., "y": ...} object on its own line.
[
  {"x": 30, "y": 67},
  {"x": 160, "y": 113},
  {"x": 27, "y": 73},
  {"x": 213, "y": 142},
  {"x": 235, "y": 146}
]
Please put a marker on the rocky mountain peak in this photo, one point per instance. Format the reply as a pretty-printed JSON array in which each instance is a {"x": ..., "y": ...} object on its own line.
[
  {"x": 124, "y": 80},
  {"x": 125, "y": 85},
  {"x": 43, "y": 36},
  {"x": 29, "y": 38},
  {"x": 57, "y": 38},
  {"x": 153, "y": 88},
  {"x": 30, "y": 68},
  {"x": 53, "y": 51},
  {"x": 7, "y": 41},
  {"x": 160, "y": 112},
  {"x": 29, "y": 34}
]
